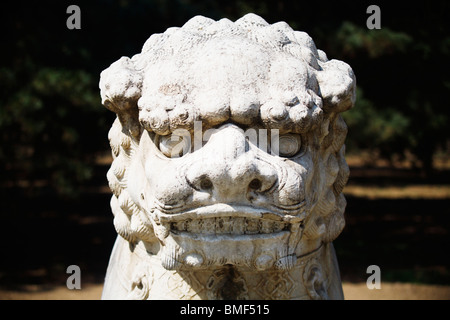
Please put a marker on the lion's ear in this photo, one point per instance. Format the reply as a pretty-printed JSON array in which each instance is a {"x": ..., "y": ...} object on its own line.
[
  {"x": 337, "y": 86},
  {"x": 120, "y": 89}
]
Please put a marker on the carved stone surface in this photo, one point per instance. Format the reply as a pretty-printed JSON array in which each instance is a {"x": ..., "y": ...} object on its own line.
[{"x": 228, "y": 164}]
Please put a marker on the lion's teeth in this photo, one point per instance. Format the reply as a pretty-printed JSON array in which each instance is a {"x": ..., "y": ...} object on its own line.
[
  {"x": 195, "y": 226},
  {"x": 266, "y": 226},
  {"x": 229, "y": 225},
  {"x": 209, "y": 225},
  {"x": 180, "y": 225},
  {"x": 238, "y": 226},
  {"x": 278, "y": 226},
  {"x": 223, "y": 225},
  {"x": 252, "y": 226}
]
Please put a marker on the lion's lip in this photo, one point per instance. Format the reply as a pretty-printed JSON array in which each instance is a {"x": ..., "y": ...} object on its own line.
[{"x": 228, "y": 219}]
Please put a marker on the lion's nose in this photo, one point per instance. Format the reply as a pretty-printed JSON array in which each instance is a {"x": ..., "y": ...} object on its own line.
[
  {"x": 243, "y": 177},
  {"x": 229, "y": 168}
]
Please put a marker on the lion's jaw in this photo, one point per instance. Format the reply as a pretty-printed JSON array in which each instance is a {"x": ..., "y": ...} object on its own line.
[{"x": 230, "y": 235}]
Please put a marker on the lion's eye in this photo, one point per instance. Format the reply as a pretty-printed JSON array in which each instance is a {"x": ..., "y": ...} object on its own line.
[
  {"x": 289, "y": 144},
  {"x": 175, "y": 145}
]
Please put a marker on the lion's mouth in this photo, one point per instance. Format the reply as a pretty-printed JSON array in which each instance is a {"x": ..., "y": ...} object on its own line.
[
  {"x": 222, "y": 234},
  {"x": 225, "y": 219}
]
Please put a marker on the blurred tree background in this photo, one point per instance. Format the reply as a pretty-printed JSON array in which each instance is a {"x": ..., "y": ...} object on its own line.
[
  {"x": 53, "y": 128},
  {"x": 52, "y": 125}
]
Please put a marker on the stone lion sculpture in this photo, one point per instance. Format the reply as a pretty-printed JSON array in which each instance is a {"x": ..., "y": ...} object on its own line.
[{"x": 228, "y": 165}]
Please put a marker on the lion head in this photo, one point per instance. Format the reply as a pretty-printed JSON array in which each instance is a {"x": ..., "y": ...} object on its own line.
[{"x": 228, "y": 145}]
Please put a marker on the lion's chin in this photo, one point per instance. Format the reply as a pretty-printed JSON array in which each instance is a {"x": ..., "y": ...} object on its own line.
[{"x": 224, "y": 234}]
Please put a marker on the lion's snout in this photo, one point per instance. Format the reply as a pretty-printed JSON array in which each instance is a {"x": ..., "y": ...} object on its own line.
[{"x": 227, "y": 169}]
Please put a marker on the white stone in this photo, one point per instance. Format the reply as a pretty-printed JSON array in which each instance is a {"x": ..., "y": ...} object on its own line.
[{"x": 228, "y": 164}]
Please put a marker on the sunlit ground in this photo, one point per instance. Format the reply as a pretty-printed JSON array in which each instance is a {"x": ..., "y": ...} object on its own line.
[{"x": 352, "y": 291}]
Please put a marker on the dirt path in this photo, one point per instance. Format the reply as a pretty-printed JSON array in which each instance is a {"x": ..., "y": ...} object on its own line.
[
  {"x": 396, "y": 291},
  {"x": 352, "y": 291}
]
